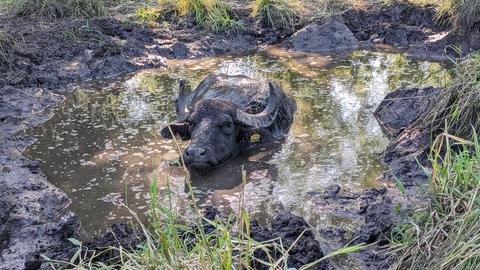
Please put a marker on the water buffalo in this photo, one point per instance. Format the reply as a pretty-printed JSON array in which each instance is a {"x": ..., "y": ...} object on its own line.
[{"x": 227, "y": 114}]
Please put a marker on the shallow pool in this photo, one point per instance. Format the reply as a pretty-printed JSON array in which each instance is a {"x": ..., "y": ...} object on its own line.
[{"x": 103, "y": 146}]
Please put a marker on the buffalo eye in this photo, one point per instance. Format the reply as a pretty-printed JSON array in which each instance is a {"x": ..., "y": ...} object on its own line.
[{"x": 226, "y": 127}]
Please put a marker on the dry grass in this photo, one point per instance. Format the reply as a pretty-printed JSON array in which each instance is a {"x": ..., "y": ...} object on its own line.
[
  {"x": 277, "y": 14},
  {"x": 287, "y": 15},
  {"x": 213, "y": 15},
  {"x": 463, "y": 14},
  {"x": 56, "y": 8},
  {"x": 457, "y": 107}
]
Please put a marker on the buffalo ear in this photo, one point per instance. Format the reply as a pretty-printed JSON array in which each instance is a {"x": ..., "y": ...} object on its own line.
[
  {"x": 165, "y": 132},
  {"x": 243, "y": 137},
  {"x": 176, "y": 129}
]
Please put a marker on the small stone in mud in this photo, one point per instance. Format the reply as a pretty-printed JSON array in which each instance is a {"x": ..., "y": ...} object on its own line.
[
  {"x": 32, "y": 166},
  {"x": 331, "y": 191},
  {"x": 179, "y": 50}
]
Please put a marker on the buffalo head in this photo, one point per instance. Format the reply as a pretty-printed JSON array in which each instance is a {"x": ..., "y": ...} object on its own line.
[{"x": 216, "y": 127}]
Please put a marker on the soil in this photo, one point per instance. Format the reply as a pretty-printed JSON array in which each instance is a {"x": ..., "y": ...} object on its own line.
[
  {"x": 413, "y": 29},
  {"x": 373, "y": 216},
  {"x": 400, "y": 25},
  {"x": 48, "y": 57},
  {"x": 396, "y": 115}
]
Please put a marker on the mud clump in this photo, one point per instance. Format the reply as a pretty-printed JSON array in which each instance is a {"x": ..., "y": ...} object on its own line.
[
  {"x": 65, "y": 52},
  {"x": 396, "y": 115},
  {"x": 104, "y": 248},
  {"x": 330, "y": 36},
  {"x": 401, "y": 108},
  {"x": 289, "y": 228},
  {"x": 373, "y": 218}
]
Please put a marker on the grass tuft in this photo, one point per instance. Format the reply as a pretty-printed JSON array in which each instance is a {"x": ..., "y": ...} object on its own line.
[
  {"x": 321, "y": 9},
  {"x": 277, "y": 14},
  {"x": 212, "y": 15},
  {"x": 463, "y": 14},
  {"x": 148, "y": 16},
  {"x": 56, "y": 8},
  {"x": 446, "y": 234},
  {"x": 457, "y": 107}
]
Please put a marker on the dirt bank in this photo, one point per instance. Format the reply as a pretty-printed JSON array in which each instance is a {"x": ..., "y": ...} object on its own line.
[
  {"x": 47, "y": 57},
  {"x": 396, "y": 114}
]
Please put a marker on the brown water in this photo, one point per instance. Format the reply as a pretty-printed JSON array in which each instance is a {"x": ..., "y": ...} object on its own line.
[{"x": 103, "y": 147}]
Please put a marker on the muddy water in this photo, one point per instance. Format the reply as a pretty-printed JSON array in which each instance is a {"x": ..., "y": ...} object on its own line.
[{"x": 103, "y": 146}]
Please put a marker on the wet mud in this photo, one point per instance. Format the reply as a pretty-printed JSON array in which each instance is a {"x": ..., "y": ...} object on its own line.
[
  {"x": 48, "y": 57},
  {"x": 406, "y": 152}
]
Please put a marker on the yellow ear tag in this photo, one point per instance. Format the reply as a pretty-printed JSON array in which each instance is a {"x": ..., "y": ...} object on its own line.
[{"x": 255, "y": 137}]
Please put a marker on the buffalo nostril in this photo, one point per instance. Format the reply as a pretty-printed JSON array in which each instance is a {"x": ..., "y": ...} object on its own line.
[{"x": 195, "y": 151}]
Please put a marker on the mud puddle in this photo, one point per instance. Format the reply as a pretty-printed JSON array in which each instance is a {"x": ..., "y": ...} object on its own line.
[{"x": 103, "y": 146}]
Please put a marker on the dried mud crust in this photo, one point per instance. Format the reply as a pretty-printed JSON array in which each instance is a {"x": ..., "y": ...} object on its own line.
[{"x": 412, "y": 28}]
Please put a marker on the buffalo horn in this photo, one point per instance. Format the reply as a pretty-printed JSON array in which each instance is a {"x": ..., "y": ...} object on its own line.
[{"x": 266, "y": 117}]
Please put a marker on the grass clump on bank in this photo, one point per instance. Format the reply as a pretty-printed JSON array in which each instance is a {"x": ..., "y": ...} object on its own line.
[
  {"x": 288, "y": 15},
  {"x": 277, "y": 14},
  {"x": 213, "y": 15},
  {"x": 446, "y": 234},
  {"x": 457, "y": 107},
  {"x": 463, "y": 14},
  {"x": 56, "y": 8}
]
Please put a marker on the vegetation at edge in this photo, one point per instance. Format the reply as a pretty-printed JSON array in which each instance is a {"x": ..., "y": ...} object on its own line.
[
  {"x": 213, "y": 15},
  {"x": 463, "y": 14},
  {"x": 217, "y": 15},
  {"x": 457, "y": 107},
  {"x": 57, "y": 8},
  {"x": 445, "y": 235}
]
